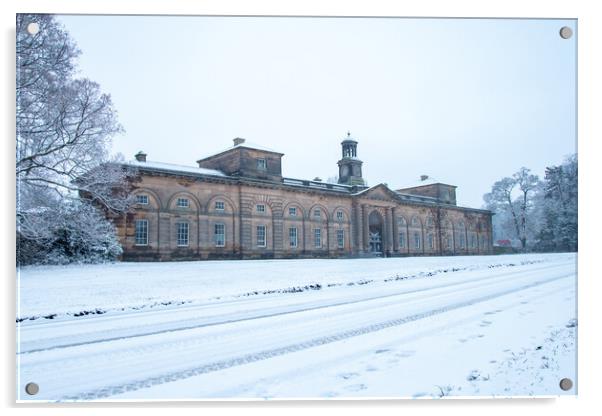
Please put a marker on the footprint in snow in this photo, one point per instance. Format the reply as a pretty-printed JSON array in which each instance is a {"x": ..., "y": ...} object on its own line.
[
  {"x": 356, "y": 387},
  {"x": 381, "y": 351},
  {"x": 485, "y": 323},
  {"x": 347, "y": 376}
]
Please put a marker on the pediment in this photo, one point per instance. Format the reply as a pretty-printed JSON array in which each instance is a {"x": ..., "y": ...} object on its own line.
[{"x": 380, "y": 192}]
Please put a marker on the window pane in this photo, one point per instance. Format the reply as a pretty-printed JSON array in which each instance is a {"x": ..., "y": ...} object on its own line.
[
  {"x": 220, "y": 235},
  {"x": 142, "y": 199},
  {"x": 219, "y": 205},
  {"x": 318, "y": 238},
  {"x": 261, "y": 240},
  {"x": 141, "y": 232},
  {"x": 292, "y": 211},
  {"x": 292, "y": 235},
  {"x": 182, "y": 233},
  {"x": 183, "y": 203},
  {"x": 341, "y": 238},
  {"x": 416, "y": 240},
  {"x": 402, "y": 240}
]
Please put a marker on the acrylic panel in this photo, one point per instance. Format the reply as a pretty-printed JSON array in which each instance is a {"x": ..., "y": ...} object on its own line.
[{"x": 229, "y": 207}]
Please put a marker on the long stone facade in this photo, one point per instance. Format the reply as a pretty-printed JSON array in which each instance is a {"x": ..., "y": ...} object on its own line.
[{"x": 237, "y": 205}]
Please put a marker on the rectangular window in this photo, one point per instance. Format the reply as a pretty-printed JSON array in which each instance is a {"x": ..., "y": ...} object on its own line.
[
  {"x": 260, "y": 208},
  {"x": 261, "y": 240},
  {"x": 318, "y": 238},
  {"x": 462, "y": 240},
  {"x": 402, "y": 240},
  {"x": 449, "y": 241},
  {"x": 183, "y": 203},
  {"x": 219, "y": 205},
  {"x": 182, "y": 234},
  {"x": 416, "y": 241},
  {"x": 220, "y": 235},
  {"x": 292, "y": 237},
  {"x": 431, "y": 242},
  {"x": 473, "y": 241},
  {"x": 339, "y": 215},
  {"x": 292, "y": 211},
  {"x": 317, "y": 213},
  {"x": 341, "y": 238},
  {"x": 142, "y": 199},
  {"x": 141, "y": 232},
  {"x": 262, "y": 164}
]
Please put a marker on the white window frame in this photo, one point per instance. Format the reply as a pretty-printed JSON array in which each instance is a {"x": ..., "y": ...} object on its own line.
[
  {"x": 220, "y": 205},
  {"x": 262, "y": 164},
  {"x": 417, "y": 240},
  {"x": 138, "y": 239},
  {"x": 340, "y": 215},
  {"x": 292, "y": 211},
  {"x": 293, "y": 237},
  {"x": 183, "y": 202},
  {"x": 317, "y": 213},
  {"x": 261, "y": 235},
  {"x": 317, "y": 237},
  {"x": 260, "y": 208},
  {"x": 402, "y": 239},
  {"x": 180, "y": 241},
  {"x": 140, "y": 198},
  {"x": 217, "y": 242},
  {"x": 341, "y": 238}
]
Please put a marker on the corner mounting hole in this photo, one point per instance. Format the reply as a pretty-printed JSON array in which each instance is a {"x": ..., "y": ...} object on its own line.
[{"x": 32, "y": 389}]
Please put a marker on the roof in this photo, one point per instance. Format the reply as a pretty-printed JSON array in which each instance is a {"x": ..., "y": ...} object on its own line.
[
  {"x": 245, "y": 144},
  {"x": 168, "y": 167},
  {"x": 426, "y": 182}
]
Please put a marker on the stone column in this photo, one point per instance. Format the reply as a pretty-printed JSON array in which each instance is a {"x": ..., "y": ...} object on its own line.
[
  {"x": 365, "y": 228},
  {"x": 395, "y": 229},
  {"x": 387, "y": 232}
]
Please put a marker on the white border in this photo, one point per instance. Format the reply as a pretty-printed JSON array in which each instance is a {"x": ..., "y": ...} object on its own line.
[{"x": 590, "y": 134}]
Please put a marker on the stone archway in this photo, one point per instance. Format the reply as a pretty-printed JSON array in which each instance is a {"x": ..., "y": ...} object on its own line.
[{"x": 375, "y": 233}]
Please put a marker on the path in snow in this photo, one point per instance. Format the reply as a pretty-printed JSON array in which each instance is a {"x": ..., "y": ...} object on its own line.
[{"x": 188, "y": 353}]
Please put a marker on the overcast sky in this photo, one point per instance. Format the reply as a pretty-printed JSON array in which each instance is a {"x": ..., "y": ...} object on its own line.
[{"x": 464, "y": 101}]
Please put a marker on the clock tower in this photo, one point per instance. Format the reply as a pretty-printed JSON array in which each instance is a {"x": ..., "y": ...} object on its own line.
[{"x": 350, "y": 167}]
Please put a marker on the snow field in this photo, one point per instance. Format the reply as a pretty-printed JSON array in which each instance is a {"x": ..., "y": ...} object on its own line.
[{"x": 446, "y": 330}]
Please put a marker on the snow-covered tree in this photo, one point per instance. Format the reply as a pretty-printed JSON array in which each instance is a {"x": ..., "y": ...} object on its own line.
[
  {"x": 64, "y": 128},
  {"x": 558, "y": 207},
  {"x": 511, "y": 199}
]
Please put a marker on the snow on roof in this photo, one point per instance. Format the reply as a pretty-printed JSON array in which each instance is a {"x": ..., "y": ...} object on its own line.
[
  {"x": 246, "y": 144},
  {"x": 175, "y": 168},
  {"x": 427, "y": 181}
]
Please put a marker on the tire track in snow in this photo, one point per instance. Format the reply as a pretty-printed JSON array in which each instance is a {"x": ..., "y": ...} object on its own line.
[
  {"x": 262, "y": 314},
  {"x": 108, "y": 391}
]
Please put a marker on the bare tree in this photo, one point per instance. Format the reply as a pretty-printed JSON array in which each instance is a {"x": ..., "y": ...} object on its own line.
[
  {"x": 508, "y": 207},
  {"x": 64, "y": 129}
]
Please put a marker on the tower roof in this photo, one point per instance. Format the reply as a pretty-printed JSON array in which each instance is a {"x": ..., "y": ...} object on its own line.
[{"x": 349, "y": 139}]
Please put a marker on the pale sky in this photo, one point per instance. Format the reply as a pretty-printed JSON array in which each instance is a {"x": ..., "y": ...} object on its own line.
[{"x": 465, "y": 101}]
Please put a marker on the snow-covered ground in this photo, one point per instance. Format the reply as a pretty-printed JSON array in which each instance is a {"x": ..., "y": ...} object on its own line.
[{"x": 398, "y": 327}]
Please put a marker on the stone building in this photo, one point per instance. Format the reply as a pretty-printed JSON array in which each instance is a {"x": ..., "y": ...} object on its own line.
[{"x": 236, "y": 204}]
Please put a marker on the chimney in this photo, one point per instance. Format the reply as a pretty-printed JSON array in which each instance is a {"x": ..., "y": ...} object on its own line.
[
  {"x": 424, "y": 177},
  {"x": 238, "y": 140},
  {"x": 140, "y": 156}
]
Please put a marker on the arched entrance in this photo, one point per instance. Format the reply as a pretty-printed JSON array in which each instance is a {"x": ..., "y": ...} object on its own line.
[{"x": 375, "y": 232}]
